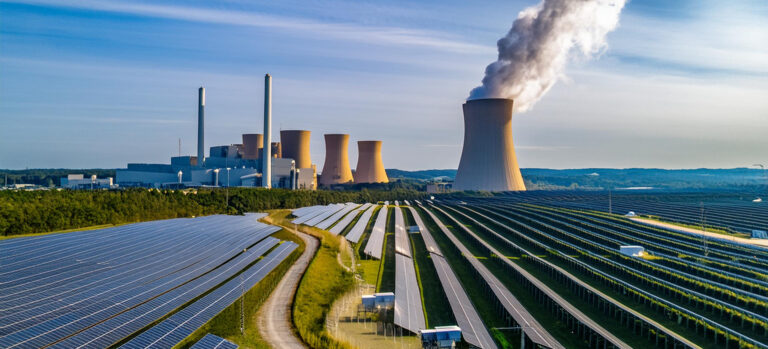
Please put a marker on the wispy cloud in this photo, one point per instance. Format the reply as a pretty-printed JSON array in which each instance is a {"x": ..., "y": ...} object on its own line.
[{"x": 330, "y": 30}]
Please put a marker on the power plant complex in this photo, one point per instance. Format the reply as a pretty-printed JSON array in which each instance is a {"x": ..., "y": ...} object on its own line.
[{"x": 259, "y": 162}]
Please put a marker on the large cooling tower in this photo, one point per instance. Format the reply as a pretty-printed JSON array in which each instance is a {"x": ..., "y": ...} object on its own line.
[
  {"x": 488, "y": 159},
  {"x": 252, "y": 145},
  {"x": 296, "y": 146},
  {"x": 370, "y": 168},
  {"x": 336, "y": 168}
]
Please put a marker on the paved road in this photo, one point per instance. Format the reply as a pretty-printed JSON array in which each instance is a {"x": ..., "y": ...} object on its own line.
[{"x": 274, "y": 320}]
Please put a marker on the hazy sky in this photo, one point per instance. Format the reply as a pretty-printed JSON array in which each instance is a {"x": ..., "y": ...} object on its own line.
[{"x": 86, "y": 83}]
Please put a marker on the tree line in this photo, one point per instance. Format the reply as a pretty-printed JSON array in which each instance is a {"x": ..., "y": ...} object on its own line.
[{"x": 27, "y": 212}]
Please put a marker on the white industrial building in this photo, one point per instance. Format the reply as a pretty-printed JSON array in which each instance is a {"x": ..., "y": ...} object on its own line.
[{"x": 78, "y": 181}]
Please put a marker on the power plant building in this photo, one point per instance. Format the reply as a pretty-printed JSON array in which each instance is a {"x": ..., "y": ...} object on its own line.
[
  {"x": 370, "y": 168},
  {"x": 488, "y": 160},
  {"x": 295, "y": 145},
  {"x": 227, "y": 165}
]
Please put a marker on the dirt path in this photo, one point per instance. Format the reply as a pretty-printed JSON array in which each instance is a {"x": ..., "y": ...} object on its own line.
[
  {"x": 274, "y": 321},
  {"x": 756, "y": 242}
]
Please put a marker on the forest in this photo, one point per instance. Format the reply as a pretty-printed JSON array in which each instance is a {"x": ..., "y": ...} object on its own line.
[{"x": 28, "y": 212}]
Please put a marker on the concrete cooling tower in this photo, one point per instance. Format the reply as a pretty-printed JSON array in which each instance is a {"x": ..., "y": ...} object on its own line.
[
  {"x": 488, "y": 160},
  {"x": 296, "y": 146},
  {"x": 336, "y": 168},
  {"x": 370, "y": 168},
  {"x": 252, "y": 145}
]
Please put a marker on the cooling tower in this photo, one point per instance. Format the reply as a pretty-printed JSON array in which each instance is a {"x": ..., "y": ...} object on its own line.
[
  {"x": 252, "y": 145},
  {"x": 296, "y": 146},
  {"x": 336, "y": 168},
  {"x": 488, "y": 159},
  {"x": 370, "y": 168}
]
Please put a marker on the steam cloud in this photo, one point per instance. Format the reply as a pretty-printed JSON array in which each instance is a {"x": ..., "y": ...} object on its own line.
[{"x": 533, "y": 54}]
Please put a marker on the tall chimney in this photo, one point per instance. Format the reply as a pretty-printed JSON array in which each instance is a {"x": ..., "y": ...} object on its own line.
[
  {"x": 201, "y": 126},
  {"x": 488, "y": 160},
  {"x": 266, "y": 167},
  {"x": 370, "y": 168},
  {"x": 296, "y": 146},
  {"x": 336, "y": 168}
]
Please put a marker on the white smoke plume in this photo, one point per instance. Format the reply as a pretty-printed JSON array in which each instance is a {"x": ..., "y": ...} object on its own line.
[{"x": 533, "y": 54}]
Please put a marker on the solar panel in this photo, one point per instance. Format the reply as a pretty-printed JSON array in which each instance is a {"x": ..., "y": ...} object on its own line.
[
  {"x": 402, "y": 242},
  {"x": 376, "y": 240},
  {"x": 359, "y": 228},
  {"x": 409, "y": 313},
  {"x": 213, "y": 342}
]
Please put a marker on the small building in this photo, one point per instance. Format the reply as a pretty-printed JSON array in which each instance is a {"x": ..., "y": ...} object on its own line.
[
  {"x": 78, "y": 181},
  {"x": 630, "y": 214},
  {"x": 440, "y": 337},
  {"x": 381, "y": 300},
  {"x": 439, "y": 187},
  {"x": 632, "y": 250},
  {"x": 759, "y": 234}
]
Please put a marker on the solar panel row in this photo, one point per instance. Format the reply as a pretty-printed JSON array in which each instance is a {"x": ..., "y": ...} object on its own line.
[
  {"x": 409, "y": 313},
  {"x": 358, "y": 229},
  {"x": 376, "y": 240},
  {"x": 183, "y": 323},
  {"x": 402, "y": 244},
  {"x": 213, "y": 342}
]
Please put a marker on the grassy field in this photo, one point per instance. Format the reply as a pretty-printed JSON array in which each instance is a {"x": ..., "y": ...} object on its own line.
[
  {"x": 367, "y": 267},
  {"x": 324, "y": 281},
  {"x": 387, "y": 269},
  {"x": 227, "y": 323},
  {"x": 435, "y": 302}
]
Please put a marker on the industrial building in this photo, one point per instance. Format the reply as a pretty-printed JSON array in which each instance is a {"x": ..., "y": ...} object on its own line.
[
  {"x": 246, "y": 164},
  {"x": 78, "y": 181},
  {"x": 488, "y": 160}
]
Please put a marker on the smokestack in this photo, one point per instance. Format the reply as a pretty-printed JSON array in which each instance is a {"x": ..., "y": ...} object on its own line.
[
  {"x": 266, "y": 176},
  {"x": 252, "y": 145},
  {"x": 370, "y": 168},
  {"x": 336, "y": 168},
  {"x": 296, "y": 147},
  {"x": 488, "y": 160},
  {"x": 201, "y": 126}
]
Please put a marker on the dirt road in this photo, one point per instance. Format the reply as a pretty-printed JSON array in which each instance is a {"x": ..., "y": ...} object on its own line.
[{"x": 274, "y": 320}]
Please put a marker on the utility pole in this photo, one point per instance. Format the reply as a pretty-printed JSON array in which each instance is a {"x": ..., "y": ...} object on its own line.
[
  {"x": 610, "y": 202},
  {"x": 179, "y": 147}
]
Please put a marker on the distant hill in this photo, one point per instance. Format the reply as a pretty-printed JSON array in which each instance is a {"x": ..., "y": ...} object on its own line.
[{"x": 608, "y": 178}]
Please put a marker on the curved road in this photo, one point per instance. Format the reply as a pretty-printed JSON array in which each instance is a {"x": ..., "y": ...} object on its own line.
[{"x": 274, "y": 321}]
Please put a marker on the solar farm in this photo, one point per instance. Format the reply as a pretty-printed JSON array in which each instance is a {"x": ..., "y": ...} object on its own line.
[
  {"x": 550, "y": 266},
  {"x": 143, "y": 285}
]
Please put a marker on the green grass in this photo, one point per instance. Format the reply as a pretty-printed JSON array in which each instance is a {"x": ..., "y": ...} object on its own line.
[
  {"x": 437, "y": 311},
  {"x": 227, "y": 323},
  {"x": 323, "y": 282},
  {"x": 387, "y": 269}
]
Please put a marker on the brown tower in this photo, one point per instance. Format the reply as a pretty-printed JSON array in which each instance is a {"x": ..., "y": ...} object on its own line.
[
  {"x": 488, "y": 160},
  {"x": 296, "y": 146},
  {"x": 336, "y": 168},
  {"x": 370, "y": 168},
  {"x": 252, "y": 144}
]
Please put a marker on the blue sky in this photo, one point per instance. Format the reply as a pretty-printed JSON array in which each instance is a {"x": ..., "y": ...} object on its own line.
[{"x": 87, "y": 83}]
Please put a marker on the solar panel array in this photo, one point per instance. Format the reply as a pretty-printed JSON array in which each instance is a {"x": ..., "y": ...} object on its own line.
[
  {"x": 213, "y": 342},
  {"x": 97, "y": 287},
  {"x": 336, "y": 216},
  {"x": 376, "y": 240},
  {"x": 305, "y": 214},
  {"x": 359, "y": 228},
  {"x": 344, "y": 222},
  {"x": 473, "y": 330},
  {"x": 180, "y": 325}
]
